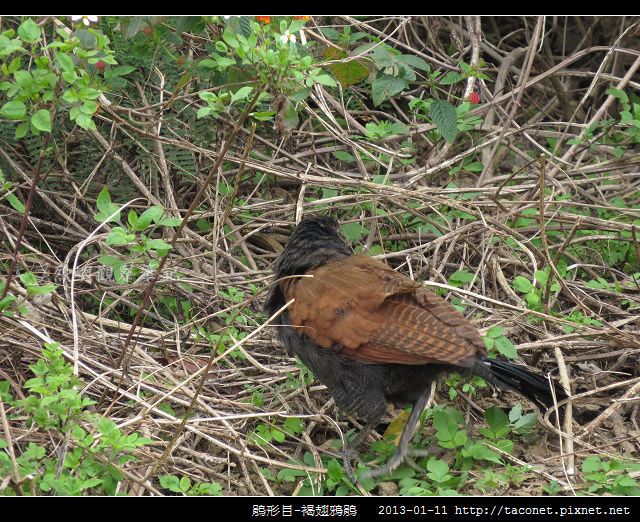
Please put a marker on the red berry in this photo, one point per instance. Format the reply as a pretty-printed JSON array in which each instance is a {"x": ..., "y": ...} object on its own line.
[
  {"x": 100, "y": 65},
  {"x": 474, "y": 98}
]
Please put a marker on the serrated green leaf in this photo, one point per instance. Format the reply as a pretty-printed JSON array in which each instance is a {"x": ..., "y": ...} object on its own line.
[
  {"x": 414, "y": 61},
  {"x": 506, "y": 348},
  {"x": 385, "y": 87},
  {"x": 496, "y": 418},
  {"x": 495, "y": 331},
  {"x": 450, "y": 78},
  {"x": 444, "y": 116}
]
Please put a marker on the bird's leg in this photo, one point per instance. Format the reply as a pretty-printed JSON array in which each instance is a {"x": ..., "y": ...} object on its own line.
[
  {"x": 351, "y": 450},
  {"x": 402, "y": 451}
]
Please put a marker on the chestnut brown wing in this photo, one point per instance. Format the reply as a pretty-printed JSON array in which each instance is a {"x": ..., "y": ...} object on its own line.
[{"x": 370, "y": 313}]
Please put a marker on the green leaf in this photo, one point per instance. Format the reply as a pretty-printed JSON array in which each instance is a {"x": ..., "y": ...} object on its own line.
[
  {"x": 498, "y": 421},
  {"x": 348, "y": 73},
  {"x": 152, "y": 214},
  {"x": 130, "y": 26},
  {"x": 21, "y": 130},
  {"x": 170, "y": 222},
  {"x": 65, "y": 61},
  {"x": 450, "y": 78},
  {"x": 88, "y": 93},
  {"x": 230, "y": 38},
  {"x": 44, "y": 289},
  {"x": 621, "y": 95},
  {"x": 385, "y": 87},
  {"x": 119, "y": 236},
  {"x": 29, "y": 31},
  {"x": 464, "y": 276},
  {"x": 28, "y": 279},
  {"x": 324, "y": 79},
  {"x": 352, "y": 231},
  {"x": 85, "y": 121},
  {"x": 414, "y": 61},
  {"x": 541, "y": 276},
  {"x": 334, "y": 470},
  {"x": 438, "y": 469},
  {"x": 532, "y": 299},
  {"x": 526, "y": 423},
  {"x": 522, "y": 284},
  {"x": 344, "y": 156},
  {"x": 506, "y": 348},
  {"x": 158, "y": 244},
  {"x": 591, "y": 463},
  {"x": 277, "y": 435},
  {"x": 495, "y": 332},
  {"x": 109, "y": 260},
  {"x": 105, "y": 207},
  {"x": 41, "y": 120},
  {"x": 14, "y": 110},
  {"x": 122, "y": 70},
  {"x": 184, "y": 24},
  {"x": 444, "y": 116},
  {"x": 23, "y": 78},
  {"x": 15, "y": 202}
]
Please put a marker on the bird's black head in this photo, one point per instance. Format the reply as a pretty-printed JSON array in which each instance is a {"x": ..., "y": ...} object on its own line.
[
  {"x": 315, "y": 240},
  {"x": 318, "y": 228}
]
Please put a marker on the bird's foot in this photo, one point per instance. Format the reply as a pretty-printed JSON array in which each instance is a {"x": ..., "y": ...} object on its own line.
[
  {"x": 348, "y": 455},
  {"x": 398, "y": 458}
]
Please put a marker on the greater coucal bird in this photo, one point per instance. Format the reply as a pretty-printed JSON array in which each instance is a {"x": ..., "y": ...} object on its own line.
[{"x": 372, "y": 335}]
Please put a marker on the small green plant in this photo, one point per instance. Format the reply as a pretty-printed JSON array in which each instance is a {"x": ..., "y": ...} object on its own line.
[
  {"x": 185, "y": 487},
  {"x": 135, "y": 234},
  {"x": 610, "y": 476},
  {"x": 313, "y": 484},
  {"x": 534, "y": 293},
  {"x": 266, "y": 433},
  {"x": 619, "y": 134},
  {"x": 40, "y": 80},
  {"x": 10, "y": 303},
  {"x": 438, "y": 480},
  {"x": 94, "y": 450},
  {"x": 269, "y": 53},
  {"x": 495, "y": 340},
  {"x": 385, "y": 128}
]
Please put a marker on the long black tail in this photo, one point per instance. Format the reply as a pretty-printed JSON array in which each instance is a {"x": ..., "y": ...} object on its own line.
[{"x": 533, "y": 386}]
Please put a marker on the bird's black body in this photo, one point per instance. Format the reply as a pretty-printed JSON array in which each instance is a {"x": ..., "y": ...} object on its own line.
[{"x": 364, "y": 388}]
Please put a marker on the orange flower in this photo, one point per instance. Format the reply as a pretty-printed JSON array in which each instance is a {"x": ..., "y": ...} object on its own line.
[{"x": 264, "y": 19}]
